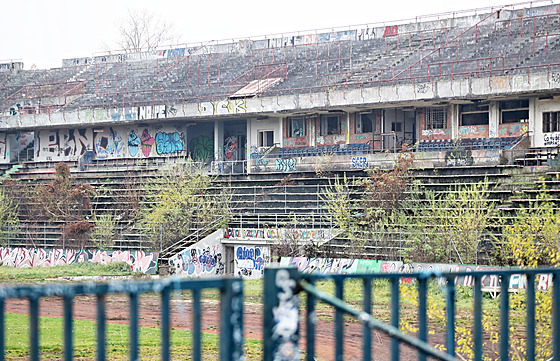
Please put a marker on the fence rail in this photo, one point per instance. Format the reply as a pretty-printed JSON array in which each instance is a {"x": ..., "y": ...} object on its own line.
[
  {"x": 282, "y": 286},
  {"x": 231, "y": 308}
]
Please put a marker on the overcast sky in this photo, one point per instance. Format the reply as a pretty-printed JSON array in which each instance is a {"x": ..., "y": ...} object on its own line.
[{"x": 43, "y": 32}]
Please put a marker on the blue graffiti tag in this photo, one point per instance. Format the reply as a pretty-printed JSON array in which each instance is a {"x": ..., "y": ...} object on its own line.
[
  {"x": 251, "y": 254},
  {"x": 167, "y": 143}
]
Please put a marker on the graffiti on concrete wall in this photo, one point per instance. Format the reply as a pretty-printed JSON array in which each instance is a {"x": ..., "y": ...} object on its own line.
[
  {"x": 199, "y": 261},
  {"x": 434, "y": 132},
  {"x": 551, "y": 139},
  {"x": 202, "y": 147},
  {"x": 234, "y": 106},
  {"x": 391, "y": 31},
  {"x": 275, "y": 234},
  {"x": 359, "y": 162},
  {"x": 459, "y": 157},
  {"x": 139, "y": 261},
  {"x": 250, "y": 261},
  {"x": 107, "y": 143},
  {"x": 473, "y": 131},
  {"x": 63, "y": 143},
  {"x": 331, "y": 265},
  {"x": 512, "y": 130},
  {"x": 4, "y": 152},
  {"x": 126, "y": 113},
  {"x": 230, "y": 146},
  {"x": 286, "y": 165},
  {"x": 338, "y": 266},
  {"x": 169, "y": 143}
]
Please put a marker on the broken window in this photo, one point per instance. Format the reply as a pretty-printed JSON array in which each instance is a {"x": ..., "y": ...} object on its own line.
[
  {"x": 364, "y": 123},
  {"x": 330, "y": 124},
  {"x": 474, "y": 114},
  {"x": 296, "y": 127}
]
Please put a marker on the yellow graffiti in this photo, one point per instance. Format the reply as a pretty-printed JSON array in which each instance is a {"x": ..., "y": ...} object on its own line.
[
  {"x": 236, "y": 106},
  {"x": 500, "y": 82}
]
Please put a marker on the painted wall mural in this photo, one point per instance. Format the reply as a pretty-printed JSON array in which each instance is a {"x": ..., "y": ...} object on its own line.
[
  {"x": 199, "y": 261},
  {"x": 250, "y": 261},
  {"x": 342, "y": 266},
  {"x": 109, "y": 142},
  {"x": 274, "y": 234},
  {"x": 332, "y": 265},
  {"x": 139, "y": 261},
  {"x": 202, "y": 147}
]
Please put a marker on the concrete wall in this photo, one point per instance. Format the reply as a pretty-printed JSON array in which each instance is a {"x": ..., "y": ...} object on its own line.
[{"x": 541, "y": 139}]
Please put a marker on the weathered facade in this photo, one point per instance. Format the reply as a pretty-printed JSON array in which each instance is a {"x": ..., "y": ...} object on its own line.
[{"x": 488, "y": 83}]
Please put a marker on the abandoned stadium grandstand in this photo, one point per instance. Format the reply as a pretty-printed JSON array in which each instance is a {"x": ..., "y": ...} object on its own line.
[{"x": 477, "y": 90}]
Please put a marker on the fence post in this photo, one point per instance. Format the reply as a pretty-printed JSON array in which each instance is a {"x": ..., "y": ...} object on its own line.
[
  {"x": 281, "y": 315},
  {"x": 231, "y": 326}
]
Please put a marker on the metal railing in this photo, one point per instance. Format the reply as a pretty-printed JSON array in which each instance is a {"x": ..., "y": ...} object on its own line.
[
  {"x": 192, "y": 238},
  {"x": 281, "y": 316},
  {"x": 231, "y": 307}
]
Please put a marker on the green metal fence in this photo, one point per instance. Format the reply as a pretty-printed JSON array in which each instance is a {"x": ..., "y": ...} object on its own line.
[
  {"x": 281, "y": 333},
  {"x": 231, "y": 300}
]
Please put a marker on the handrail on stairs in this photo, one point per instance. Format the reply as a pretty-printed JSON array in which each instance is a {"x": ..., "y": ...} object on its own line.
[{"x": 166, "y": 253}]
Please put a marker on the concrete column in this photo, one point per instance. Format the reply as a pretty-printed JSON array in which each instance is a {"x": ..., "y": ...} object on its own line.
[{"x": 493, "y": 119}]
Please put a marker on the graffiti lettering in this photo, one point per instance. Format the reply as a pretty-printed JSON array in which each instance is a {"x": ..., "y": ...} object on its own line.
[
  {"x": 197, "y": 261},
  {"x": 432, "y": 132},
  {"x": 251, "y": 259},
  {"x": 167, "y": 143},
  {"x": 235, "y": 106},
  {"x": 499, "y": 82},
  {"x": 458, "y": 158},
  {"x": 202, "y": 148},
  {"x": 139, "y": 261},
  {"x": 551, "y": 139},
  {"x": 286, "y": 165},
  {"x": 360, "y": 162},
  {"x": 391, "y": 30},
  {"x": 422, "y": 88}
]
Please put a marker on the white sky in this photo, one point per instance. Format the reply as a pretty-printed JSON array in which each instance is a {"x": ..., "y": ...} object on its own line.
[{"x": 43, "y": 32}]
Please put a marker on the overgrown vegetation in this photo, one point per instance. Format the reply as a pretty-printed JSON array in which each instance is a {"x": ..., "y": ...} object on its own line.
[
  {"x": 461, "y": 225},
  {"x": 68, "y": 203},
  {"x": 180, "y": 200},
  {"x": 9, "y": 211}
]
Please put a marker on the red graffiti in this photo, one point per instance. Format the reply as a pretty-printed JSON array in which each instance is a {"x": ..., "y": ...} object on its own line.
[{"x": 391, "y": 30}]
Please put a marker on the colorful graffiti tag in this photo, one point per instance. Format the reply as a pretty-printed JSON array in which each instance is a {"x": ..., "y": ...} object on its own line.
[
  {"x": 350, "y": 266},
  {"x": 199, "y": 261},
  {"x": 139, "y": 261},
  {"x": 275, "y": 234},
  {"x": 236, "y": 106},
  {"x": 250, "y": 261}
]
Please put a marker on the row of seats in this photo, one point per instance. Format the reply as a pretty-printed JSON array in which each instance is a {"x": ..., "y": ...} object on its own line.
[
  {"x": 472, "y": 143},
  {"x": 350, "y": 149}
]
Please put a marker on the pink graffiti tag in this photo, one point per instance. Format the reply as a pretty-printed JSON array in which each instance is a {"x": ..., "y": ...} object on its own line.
[{"x": 147, "y": 142}]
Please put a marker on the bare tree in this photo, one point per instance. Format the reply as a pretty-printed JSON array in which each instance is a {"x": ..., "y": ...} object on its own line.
[{"x": 141, "y": 30}]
